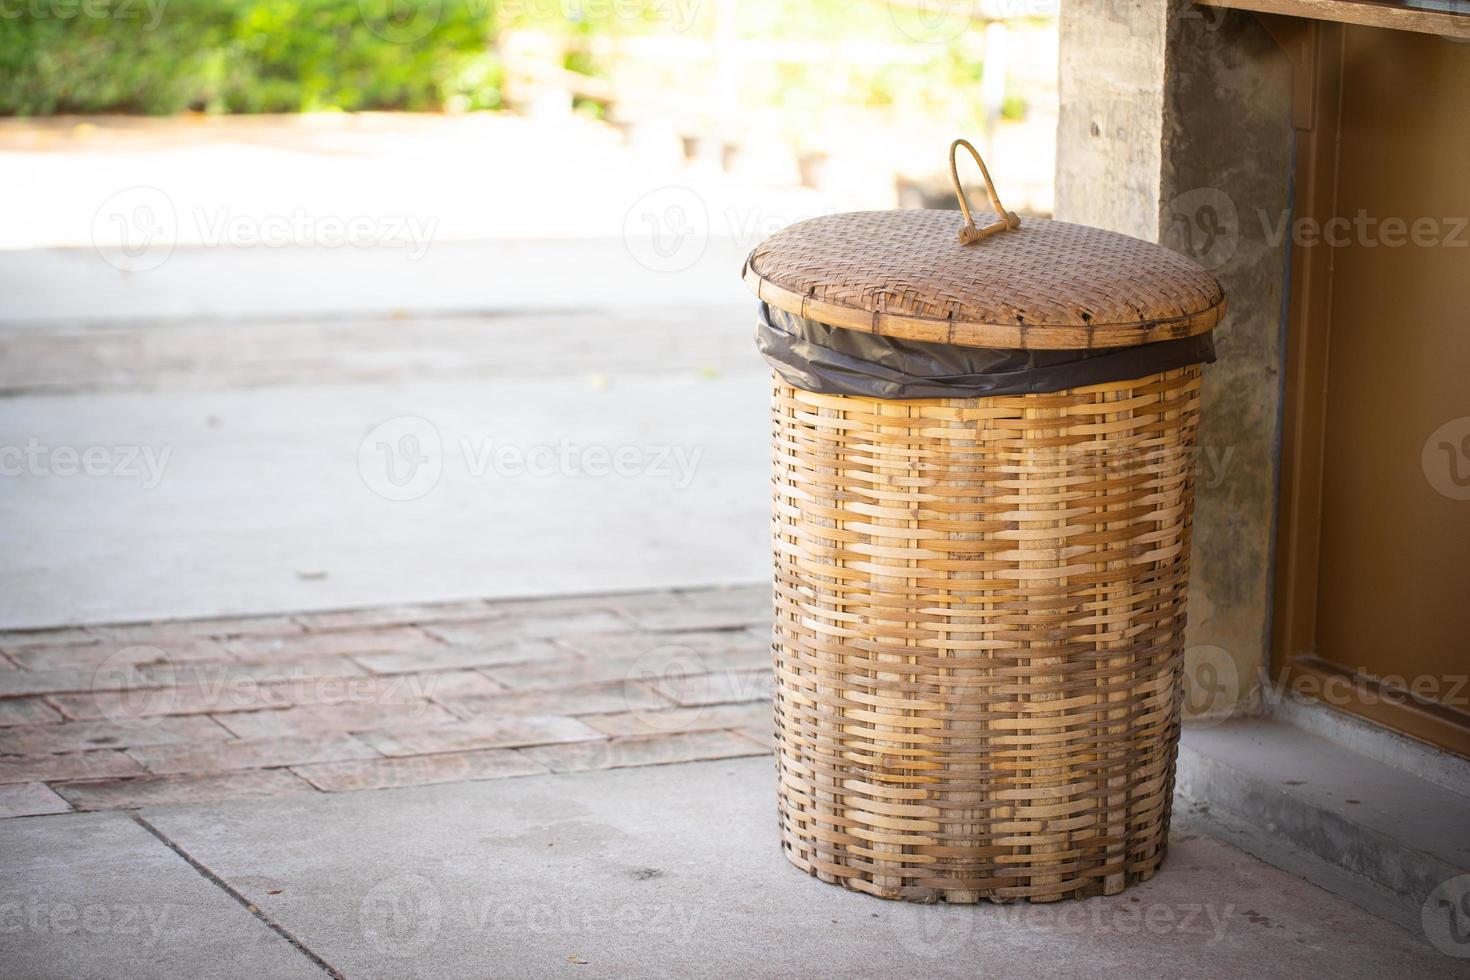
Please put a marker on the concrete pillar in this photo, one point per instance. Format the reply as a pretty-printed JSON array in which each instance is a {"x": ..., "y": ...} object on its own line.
[
  {"x": 1110, "y": 125},
  {"x": 1176, "y": 127}
]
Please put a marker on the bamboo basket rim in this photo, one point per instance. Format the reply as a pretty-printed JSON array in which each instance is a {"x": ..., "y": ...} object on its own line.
[{"x": 903, "y": 274}]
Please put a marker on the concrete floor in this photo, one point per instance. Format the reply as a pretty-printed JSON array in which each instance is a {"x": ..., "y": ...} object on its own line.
[{"x": 662, "y": 871}]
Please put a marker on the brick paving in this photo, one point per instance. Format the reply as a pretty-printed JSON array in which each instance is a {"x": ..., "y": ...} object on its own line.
[{"x": 112, "y": 717}]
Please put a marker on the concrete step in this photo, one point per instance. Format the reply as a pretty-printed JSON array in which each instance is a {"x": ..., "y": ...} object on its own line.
[{"x": 1380, "y": 835}]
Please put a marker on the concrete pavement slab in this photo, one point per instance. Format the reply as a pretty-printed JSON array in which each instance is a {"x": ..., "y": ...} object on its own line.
[
  {"x": 29, "y": 799},
  {"x": 72, "y": 357},
  {"x": 337, "y": 496},
  {"x": 39, "y": 287},
  {"x": 97, "y": 895},
  {"x": 676, "y": 871}
]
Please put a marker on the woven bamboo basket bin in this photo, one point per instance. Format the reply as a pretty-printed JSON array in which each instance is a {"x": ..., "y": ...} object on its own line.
[{"x": 980, "y": 602}]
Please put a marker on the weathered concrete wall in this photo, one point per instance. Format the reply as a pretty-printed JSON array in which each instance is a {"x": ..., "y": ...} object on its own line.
[
  {"x": 1110, "y": 126},
  {"x": 1227, "y": 161},
  {"x": 1210, "y": 94}
]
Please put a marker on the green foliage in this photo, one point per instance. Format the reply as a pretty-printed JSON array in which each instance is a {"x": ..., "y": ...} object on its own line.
[
  {"x": 165, "y": 56},
  {"x": 811, "y": 66}
]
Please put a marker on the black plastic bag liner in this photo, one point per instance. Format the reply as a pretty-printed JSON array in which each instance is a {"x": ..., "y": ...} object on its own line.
[{"x": 831, "y": 360}]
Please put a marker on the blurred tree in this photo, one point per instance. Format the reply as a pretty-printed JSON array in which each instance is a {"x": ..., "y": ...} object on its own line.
[{"x": 157, "y": 57}]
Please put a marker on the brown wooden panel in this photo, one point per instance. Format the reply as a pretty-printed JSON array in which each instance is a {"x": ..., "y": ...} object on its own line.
[
  {"x": 1393, "y": 596},
  {"x": 1298, "y": 545},
  {"x": 1399, "y": 709}
]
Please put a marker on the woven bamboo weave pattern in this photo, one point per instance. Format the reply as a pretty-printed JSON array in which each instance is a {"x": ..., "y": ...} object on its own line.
[
  {"x": 1046, "y": 284},
  {"x": 978, "y": 636}
]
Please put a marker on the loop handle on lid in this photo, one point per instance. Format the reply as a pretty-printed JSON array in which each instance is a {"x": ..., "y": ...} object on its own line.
[{"x": 969, "y": 234}]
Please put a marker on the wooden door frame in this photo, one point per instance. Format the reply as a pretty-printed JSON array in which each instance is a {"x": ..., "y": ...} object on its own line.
[{"x": 1316, "y": 50}]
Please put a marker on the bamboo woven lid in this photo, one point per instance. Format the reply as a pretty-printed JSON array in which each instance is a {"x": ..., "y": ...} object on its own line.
[{"x": 935, "y": 276}]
